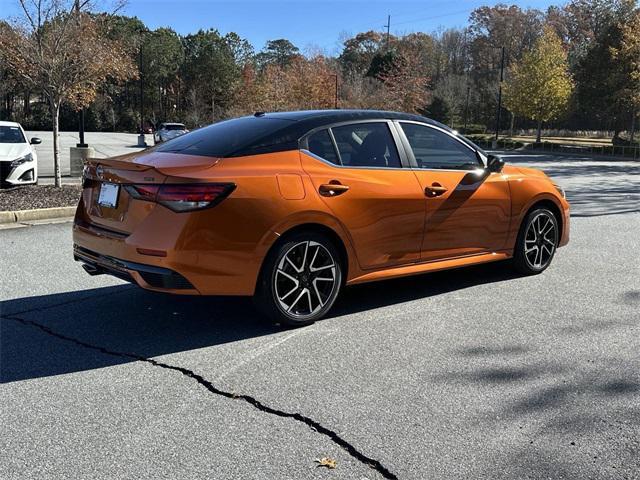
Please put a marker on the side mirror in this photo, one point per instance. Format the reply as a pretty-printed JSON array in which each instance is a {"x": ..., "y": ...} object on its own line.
[
  {"x": 35, "y": 141},
  {"x": 495, "y": 164}
]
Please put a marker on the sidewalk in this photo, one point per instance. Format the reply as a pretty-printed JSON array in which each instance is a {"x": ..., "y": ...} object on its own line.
[{"x": 105, "y": 144}]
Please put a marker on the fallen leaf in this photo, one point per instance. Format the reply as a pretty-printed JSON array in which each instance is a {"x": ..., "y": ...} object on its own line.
[{"x": 326, "y": 462}]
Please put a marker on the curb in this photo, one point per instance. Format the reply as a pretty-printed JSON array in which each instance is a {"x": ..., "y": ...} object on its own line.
[{"x": 36, "y": 214}]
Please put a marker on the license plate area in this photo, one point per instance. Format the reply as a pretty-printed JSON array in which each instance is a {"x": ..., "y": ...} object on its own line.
[{"x": 108, "y": 196}]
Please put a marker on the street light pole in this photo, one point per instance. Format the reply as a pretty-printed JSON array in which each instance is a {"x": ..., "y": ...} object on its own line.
[
  {"x": 141, "y": 139},
  {"x": 82, "y": 144},
  {"x": 499, "y": 111}
]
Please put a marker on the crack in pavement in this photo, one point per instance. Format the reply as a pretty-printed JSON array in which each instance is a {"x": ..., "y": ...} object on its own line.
[{"x": 313, "y": 424}]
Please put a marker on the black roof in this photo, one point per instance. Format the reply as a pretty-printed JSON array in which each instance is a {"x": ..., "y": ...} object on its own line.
[
  {"x": 309, "y": 119},
  {"x": 270, "y": 132}
]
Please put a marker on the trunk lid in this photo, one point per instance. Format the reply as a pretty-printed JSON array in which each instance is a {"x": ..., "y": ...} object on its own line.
[{"x": 139, "y": 168}]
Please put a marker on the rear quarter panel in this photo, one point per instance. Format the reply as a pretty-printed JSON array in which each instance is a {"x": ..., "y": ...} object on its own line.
[{"x": 272, "y": 196}]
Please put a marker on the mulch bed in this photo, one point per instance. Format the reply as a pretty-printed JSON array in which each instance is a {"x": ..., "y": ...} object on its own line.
[{"x": 39, "y": 196}]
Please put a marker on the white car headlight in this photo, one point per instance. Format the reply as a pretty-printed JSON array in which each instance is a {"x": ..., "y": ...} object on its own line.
[{"x": 19, "y": 161}]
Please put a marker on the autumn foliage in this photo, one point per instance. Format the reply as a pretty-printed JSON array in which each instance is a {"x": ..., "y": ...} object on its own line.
[{"x": 67, "y": 55}]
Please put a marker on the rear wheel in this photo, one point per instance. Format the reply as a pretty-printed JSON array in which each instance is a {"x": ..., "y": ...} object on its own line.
[
  {"x": 537, "y": 242},
  {"x": 300, "y": 280}
]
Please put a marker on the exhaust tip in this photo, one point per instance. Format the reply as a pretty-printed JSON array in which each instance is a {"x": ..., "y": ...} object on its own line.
[{"x": 92, "y": 269}]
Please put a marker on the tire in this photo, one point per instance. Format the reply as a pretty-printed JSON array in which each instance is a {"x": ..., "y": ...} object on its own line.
[
  {"x": 537, "y": 242},
  {"x": 300, "y": 280}
]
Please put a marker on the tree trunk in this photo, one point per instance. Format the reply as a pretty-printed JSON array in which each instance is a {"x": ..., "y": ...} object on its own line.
[
  {"x": 55, "y": 116},
  {"x": 513, "y": 121},
  {"x": 539, "y": 133},
  {"x": 27, "y": 103},
  {"x": 633, "y": 126},
  {"x": 213, "y": 108}
]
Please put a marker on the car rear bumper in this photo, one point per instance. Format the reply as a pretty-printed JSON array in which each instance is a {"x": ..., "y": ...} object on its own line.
[
  {"x": 211, "y": 269},
  {"x": 147, "y": 276}
]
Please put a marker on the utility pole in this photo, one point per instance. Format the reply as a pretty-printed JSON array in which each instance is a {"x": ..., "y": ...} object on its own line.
[
  {"x": 388, "y": 26},
  {"x": 499, "y": 98}
]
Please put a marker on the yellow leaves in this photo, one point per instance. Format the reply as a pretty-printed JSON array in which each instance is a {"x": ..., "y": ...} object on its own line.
[
  {"x": 540, "y": 85},
  {"x": 326, "y": 462}
]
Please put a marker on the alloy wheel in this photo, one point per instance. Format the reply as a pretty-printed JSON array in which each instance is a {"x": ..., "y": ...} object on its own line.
[
  {"x": 305, "y": 279},
  {"x": 540, "y": 240}
]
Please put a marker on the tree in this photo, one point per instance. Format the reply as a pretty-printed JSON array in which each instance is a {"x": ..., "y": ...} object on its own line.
[
  {"x": 586, "y": 21},
  {"x": 358, "y": 53},
  {"x": 280, "y": 52},
  {"x": 540, "y": 84},
  {"x": 210, "y": 70},
  {"x": 44, "y": 50},
  {"x": 490, "y": 29},
  {"x": 301, "y": 84},
  {"x": 628, "y": 54}
]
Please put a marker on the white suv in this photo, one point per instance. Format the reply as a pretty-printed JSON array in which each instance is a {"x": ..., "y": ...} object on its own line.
[{"x": 18, "y": 159}]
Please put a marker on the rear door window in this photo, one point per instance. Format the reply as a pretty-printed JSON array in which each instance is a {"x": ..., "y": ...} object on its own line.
[
  {"x": 320, "y": 144},
  {"x": 366, "y": 145}
]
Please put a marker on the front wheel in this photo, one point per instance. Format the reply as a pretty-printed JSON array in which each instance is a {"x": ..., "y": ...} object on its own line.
[
  {"x": 300, "y": 280},
  {"x": 537, "y": 242}
]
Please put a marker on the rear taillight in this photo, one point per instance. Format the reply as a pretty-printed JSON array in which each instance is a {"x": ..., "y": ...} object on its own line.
[{"x": 182, "y": 197}]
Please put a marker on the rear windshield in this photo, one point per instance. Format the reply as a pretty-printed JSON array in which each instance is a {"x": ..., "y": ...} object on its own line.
[
  {"x": 174, "y": 127},
  {"x": 240, "y": 136},
  {"x": 11, "y": 134}
]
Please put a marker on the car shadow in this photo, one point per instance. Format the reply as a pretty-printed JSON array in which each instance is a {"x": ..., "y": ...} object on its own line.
[{"x": 128, "y": 319}]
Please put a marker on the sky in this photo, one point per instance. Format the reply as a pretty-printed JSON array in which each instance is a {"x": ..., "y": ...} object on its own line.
[{"x": 309, "y": 24}]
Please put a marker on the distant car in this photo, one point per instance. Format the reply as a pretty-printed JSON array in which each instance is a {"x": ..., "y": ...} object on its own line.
[
  {"x": 167, "y": 131},
  {"x": 18, "y": 159}
]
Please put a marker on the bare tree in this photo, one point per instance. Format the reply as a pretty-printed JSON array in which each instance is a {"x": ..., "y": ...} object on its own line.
[{"x": 60, "y": 48}]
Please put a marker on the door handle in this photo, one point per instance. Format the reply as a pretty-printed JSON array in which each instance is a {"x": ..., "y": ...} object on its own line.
[
  {"x": 435, "y": 190},
  {"x": 332, "y": 189}
]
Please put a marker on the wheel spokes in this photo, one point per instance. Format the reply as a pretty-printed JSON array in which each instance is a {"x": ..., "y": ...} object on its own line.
[
  {"x": 302, "y": 292},
  {"x": 540, "y": 241},
  {"x": 298, "y": 276}
]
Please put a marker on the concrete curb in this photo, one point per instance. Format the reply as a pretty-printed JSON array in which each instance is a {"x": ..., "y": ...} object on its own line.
[{"x": 36, "y": 214}]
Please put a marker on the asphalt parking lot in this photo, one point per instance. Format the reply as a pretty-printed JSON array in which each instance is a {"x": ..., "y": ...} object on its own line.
[{"x": 473, "y": 373}]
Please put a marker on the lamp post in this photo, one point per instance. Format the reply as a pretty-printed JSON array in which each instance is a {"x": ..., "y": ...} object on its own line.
[
  {"x": 82, "y": 144},
  {"x": 79, "y": 154},
  {"x": 499, "y": 111},
  {"x": 141, "y": 138},
  {"x": 335, "y": 76}
]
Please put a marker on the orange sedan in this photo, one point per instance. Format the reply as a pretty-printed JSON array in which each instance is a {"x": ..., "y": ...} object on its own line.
[{"x": 290, "y": 207}]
